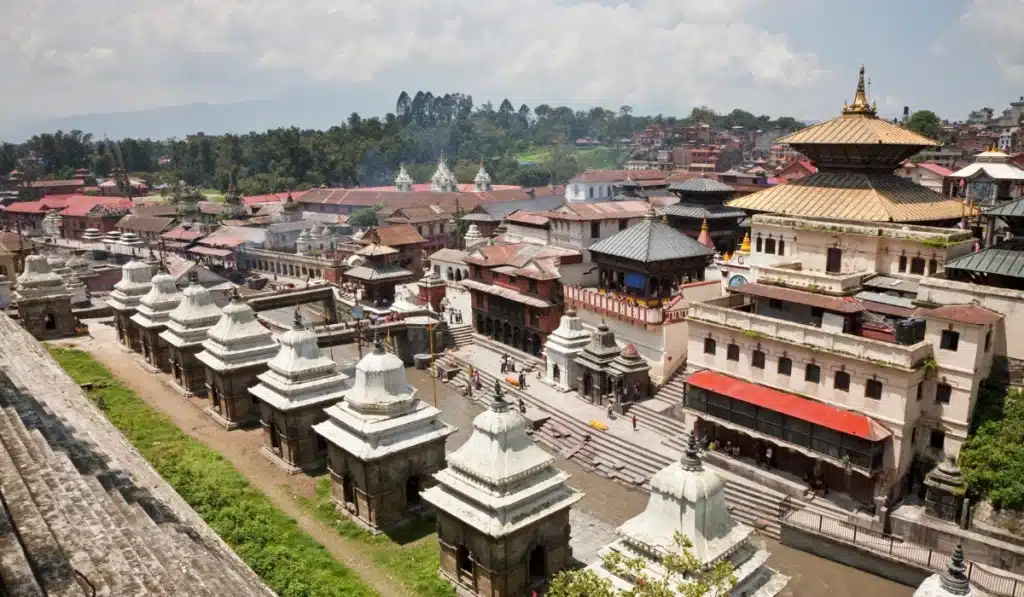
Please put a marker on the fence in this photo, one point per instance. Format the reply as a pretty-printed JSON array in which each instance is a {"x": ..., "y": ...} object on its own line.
[{"x": 992, "y": 582}]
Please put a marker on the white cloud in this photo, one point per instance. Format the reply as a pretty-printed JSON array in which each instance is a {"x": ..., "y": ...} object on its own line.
[
  {"x": 69, "y": 56},
  {"x": 996, "y": 26}
]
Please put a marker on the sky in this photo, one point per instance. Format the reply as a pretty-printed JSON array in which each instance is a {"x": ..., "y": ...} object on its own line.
[{"x": 779, "y": 57}]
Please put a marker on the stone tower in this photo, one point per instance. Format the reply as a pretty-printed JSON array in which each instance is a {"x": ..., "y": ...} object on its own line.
[
  {"x": 187, "y": 326},
  {"x": 136, "y": 281},
  {"x": 235, "y": 352},
  {"x": 299, "y": 384},
  {"x": 473, "y": 237},
  {"x": 150, "y": 320},
  {"x": 384, "y": 443},
  {"x": 443, "y": 180},
  {"x": 403, "y": 182},
  {"x": 502, "y": 508},
  {"x": 482, "y": 182},
  {"x": 43, "y": 301}
]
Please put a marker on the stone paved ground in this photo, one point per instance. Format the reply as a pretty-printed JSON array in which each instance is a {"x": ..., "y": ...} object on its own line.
[{"x": 606, "y": 504}]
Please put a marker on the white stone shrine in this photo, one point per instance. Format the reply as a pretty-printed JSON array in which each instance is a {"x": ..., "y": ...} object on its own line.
[
  {"x": 187, "y": 326},
  {"x": 562, "y": 347},
  {"x": 952, "y": 582},
  {"x": 688, "y": 499},
  {"x": 136, "y": 281}
]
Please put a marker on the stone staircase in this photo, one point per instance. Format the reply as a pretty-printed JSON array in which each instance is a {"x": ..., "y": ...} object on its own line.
[
  {"x": 532, "y": 362},
  {"x": 72, "y": 527},
  {"x": 458, "y": 335},
  {"x": 615, "y": 458}
]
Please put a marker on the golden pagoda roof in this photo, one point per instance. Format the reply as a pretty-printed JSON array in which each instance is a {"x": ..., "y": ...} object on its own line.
[
  {"x": 855, "y": 196},
  {"x": 857, "y": 125}
]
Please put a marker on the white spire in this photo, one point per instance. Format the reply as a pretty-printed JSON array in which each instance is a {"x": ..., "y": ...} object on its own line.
[
  {"x": 443, "y": 179},
  {"x": 189, "y": 322},
  {"x": 37, "y": 281},
  {"x": 237, "y": 340},
  {"x": 403, "y": 182},
  {"x": 473, "y": 236},
  {"x": 482, "y": 182},
  {"x": 155, "y": 307}
]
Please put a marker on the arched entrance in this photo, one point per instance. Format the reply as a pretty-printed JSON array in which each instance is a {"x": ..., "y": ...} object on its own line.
[
  {"x": 556, "y": 373},
  {"x": 450, "y": 273},
  {"x": 412, "y": 491},
  {"x": 538, "y": 564},
  {"x": 458, "y": 275},
  {"x": 516, "y": 338},
  {"x": 536, "y": 345}
]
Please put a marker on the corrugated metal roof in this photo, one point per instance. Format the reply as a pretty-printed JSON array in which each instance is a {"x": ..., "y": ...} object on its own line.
[
  {"x": 857, "y": 129},
  {"x": 994, "y": 171},
  {"x": 649, "y": 241},
  {"x": 701, "y": 212},
  {"x": 1005, "y": 259},
  {"x": 362, "y": 272},
  {"x": 970, "y": 314},
  {"x": 508, "y": 293},
  {"x": 854, "y": 196},
  {"x": 701, "y": 185},
  {"x": 1013, "y": 209}
]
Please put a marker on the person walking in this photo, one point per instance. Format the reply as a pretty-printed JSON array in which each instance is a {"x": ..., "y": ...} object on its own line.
[{"x": 634, "y": 422}]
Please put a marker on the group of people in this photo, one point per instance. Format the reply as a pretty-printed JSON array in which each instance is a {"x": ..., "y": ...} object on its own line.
[
  {"x": 762, "y": 452},
  {"x": 454, "y": 315},
  {"x": 508, "y": 365}
]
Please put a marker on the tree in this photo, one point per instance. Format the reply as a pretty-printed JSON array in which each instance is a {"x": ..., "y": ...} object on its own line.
[
  {"x": 993, "y": 458},
  {"x": 364, "y": 218},
  {"x": 925, "y": 122},
  {"x": 684, "y": 575}
]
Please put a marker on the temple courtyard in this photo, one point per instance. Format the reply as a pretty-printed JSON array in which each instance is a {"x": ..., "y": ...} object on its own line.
[{"x": 606, "y": 504}]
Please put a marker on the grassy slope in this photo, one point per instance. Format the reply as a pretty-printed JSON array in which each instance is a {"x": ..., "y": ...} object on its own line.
[
  {"x": 286, "y": 558},
  {"x": 591, "y": 157}
]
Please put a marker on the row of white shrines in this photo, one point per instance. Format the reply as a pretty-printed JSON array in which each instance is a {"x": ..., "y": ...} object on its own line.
[{"x": 501, "y": 505}]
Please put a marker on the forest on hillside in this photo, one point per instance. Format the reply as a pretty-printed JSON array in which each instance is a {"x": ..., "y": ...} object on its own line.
[{"x": 367, "y": 151}]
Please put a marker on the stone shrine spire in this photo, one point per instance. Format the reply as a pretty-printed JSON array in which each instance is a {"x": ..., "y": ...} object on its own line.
[
  {"x": 952, "y": 582},
  {"x": 403, "y": 182},
  {"x": 482, "y": 182},
  {"x": 443, "y": 180}
]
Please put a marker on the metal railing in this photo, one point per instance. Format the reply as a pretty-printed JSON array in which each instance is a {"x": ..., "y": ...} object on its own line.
[{"x": 994, "y": 583}]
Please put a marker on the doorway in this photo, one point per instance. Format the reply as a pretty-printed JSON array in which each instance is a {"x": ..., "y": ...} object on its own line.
[
  {"x": 538, "y": 565},
  {"x": 834, "y": 260},
  {"x": 464, "y": 562},
  {"x": 275, "y": 438},
  {"x": 412, "y": 491},
  {"x": 555, "y": 373},
  {"x": 348, "y": 490},
  {"x": 50, "y": 321}
]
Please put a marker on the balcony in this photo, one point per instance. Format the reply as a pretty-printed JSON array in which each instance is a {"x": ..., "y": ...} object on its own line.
[
  {"x": 792, "y": 275},
  {"x": 721, "y": 312}
]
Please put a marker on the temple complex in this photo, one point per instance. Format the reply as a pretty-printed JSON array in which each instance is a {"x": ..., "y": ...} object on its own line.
[
  {"x": 608, "y": 374},
  {"x": 187, "y": 325},
  {"x": 502, "y": 508},
  {"x": 150, "y": 320},
  {"x": 856, "y": 155},
  {"x": 43, "y": 302},
  {"x": 562, "y": 348},
  {"x": 702, "y": 206},
  {"x": 299, "y": 384},
  {"x": 689, "y": 500},
  {"x": 384, "y": 443},
  {"x": 136, "y": 280},
  {"x": 235, "y": 352}
]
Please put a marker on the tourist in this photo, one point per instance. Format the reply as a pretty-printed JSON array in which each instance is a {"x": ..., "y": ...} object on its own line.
[
  {"x": 634, "y": 422},
  {"x": 522, "y": 405},
  {"x": 728, "y": 448},
  {"x": 522, "y": 380},
  {"x": 768, "y": 456}
]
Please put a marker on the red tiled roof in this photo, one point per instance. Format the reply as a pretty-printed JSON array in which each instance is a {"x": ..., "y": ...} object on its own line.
[
  {"x": 800, "y": 297},
  {"x": 140, "y": 223},
  {"x": 425, "y": 187},
  {"x": 394, "y": 236},
  {"x": 43, "y": 184},
  {"x": 619, "y": 176},
  {"x": 398, "y": 199},
  {"x": 154, "y": 209},
  {"x": 525, "y": 217},
  {"x": 179, "y": 233},
  {"x": 602, "y": 210},
  {"x": 271, "y": 198},
  {"x": 818, "y": 413},
  {"x": 969, "y": 314},
  {"x": 82, "y": 205},
  {"x": 933, "y": 167}
]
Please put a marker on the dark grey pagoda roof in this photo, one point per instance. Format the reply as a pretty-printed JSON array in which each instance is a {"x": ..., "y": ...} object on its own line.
[
  {"x": 651, "y": 240},
  {"x": 1013, "y": 209},
  {"x": 702, "y": 212},
  {"x": 701, "y": 184},
  {"x": 1004, "y": 259}
]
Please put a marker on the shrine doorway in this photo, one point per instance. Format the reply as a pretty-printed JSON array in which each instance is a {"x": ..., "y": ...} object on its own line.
[
  {"x": 412, "y": 491},
  {"x": 348, "y": 490},
  {"x": 556, "y": 373},
  {"x": 536, "y": 346},
  {"x": 538, "y": 564},
  {"x": 50, "y": 321}
]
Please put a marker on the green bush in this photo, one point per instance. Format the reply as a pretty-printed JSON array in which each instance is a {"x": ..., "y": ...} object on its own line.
[
  {"x": 993, "y": 458},
  {"x": 288, "y": 560}
]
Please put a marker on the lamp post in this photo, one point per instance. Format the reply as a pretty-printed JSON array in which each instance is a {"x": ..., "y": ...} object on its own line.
[{"x": 433, "y": 365}]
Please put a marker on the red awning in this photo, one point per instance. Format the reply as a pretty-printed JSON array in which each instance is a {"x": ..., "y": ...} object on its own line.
[
  {"x": 210, "y": 251},
  {"x": 830, "y": 417}
]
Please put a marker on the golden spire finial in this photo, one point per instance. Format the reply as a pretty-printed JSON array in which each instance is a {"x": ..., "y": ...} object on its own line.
[
  {"x": 745, "y": 247},
  {"x": 860, "y": 103},
  {"x": 704, "y": 225}
]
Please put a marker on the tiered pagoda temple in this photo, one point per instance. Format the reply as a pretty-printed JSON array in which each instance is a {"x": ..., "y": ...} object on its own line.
[
  {"x": 187, "y": 326},
  {"x": 136, "y": 280},
  {"x": 43, "y": 302},
  {"x": 562, "y": 348},
  {"x": 702, "y": 206},
  {"x": 150, "y": 320},
  {"x": 648, "y": 261},
  {"x": 235, "y": 352},
  {"x": 299, "y": 384},
  {"x": 856, "y": 155},
  {"x": 384, "y": 443},
  {"x": 502, "y": 508},
  {"x": 689, "y": 500}
]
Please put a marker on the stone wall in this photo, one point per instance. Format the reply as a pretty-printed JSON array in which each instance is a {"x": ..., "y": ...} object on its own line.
[
  {"x": 300, "y": 446},
  {"x": 237, "y": 405},
  {"x": 918, "y": 528},
  {"x": 47, "y": 319}
]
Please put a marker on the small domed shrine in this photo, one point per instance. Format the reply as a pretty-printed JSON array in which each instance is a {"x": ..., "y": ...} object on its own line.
[
  {"x": 151, "y": 317},
  {"x": 608, "y": 374},
  {"x": 689, "y": 500},
  {"x": 482, "y": 182},
  {"x": 44, "y": 303},
  {"x": 136, "y": 280},
  {"x": 187, "y": 326},
  {"x": 403, "y": 182},
  {"x": 384, "y": 443},
  {"x": 235, "y": 352},
  {"x": 473, "y": 237},
  {"x": 502, "y": 508},
  {"x": 299, "y": 384},
  {"x": 561, "y": 349},
  {"x": 952, "y": 582}
]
